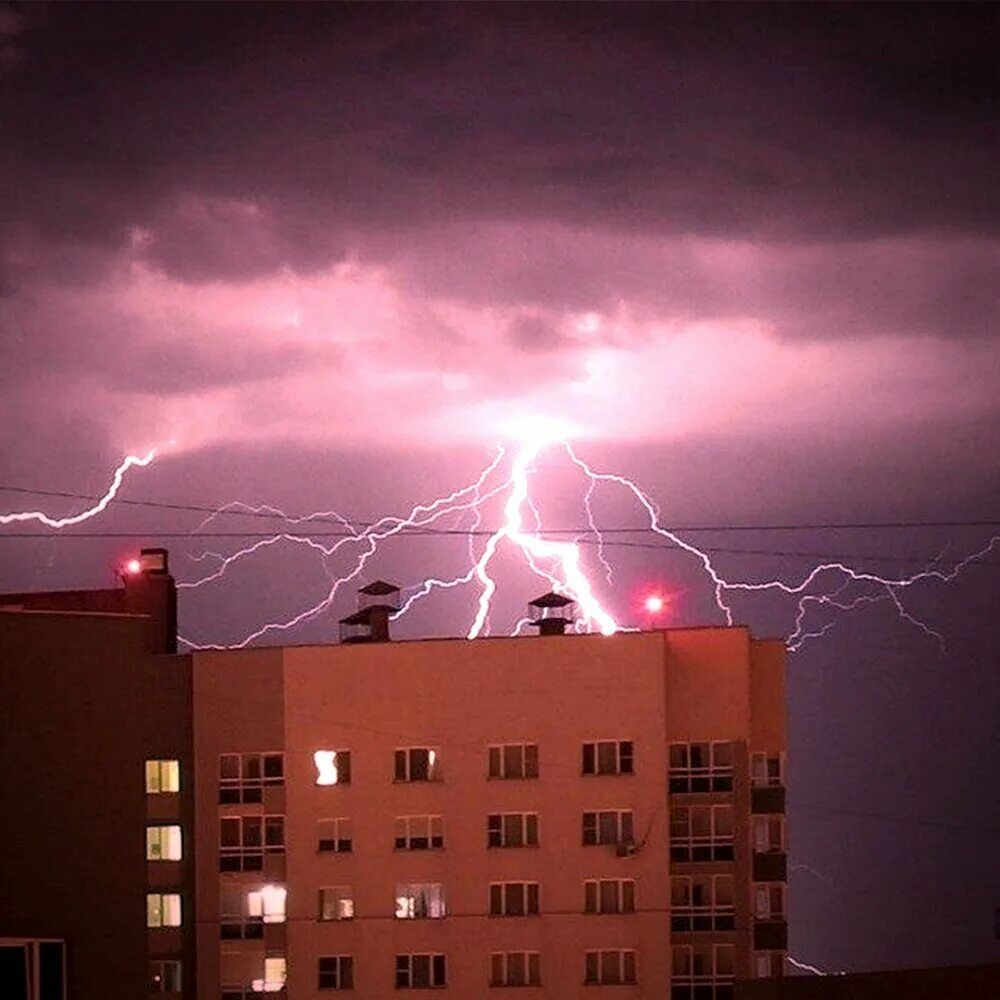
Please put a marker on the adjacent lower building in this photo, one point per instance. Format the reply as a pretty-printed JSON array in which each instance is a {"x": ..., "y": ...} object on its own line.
[{"x": 554, "y": 812}]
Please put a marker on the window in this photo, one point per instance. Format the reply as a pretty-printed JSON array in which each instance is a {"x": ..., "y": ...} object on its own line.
[
  {"x": 513, "y": 899},
  {"x": 701, "y": 833},
  {"x": 415, "y": 972},
  {"x": 611, "y": 826},
  {"x": 242, "y": 913},
  {"x": 163, "y": 776},
  {"x": 165, "y": 975},
  {"x": 418, "y": 833},
  {"x": 702, "y": 903},
  {"x": 609, "y": 968},
  {"x": 420, "y": 900},
  {"x": 608, "y": 757},
  {"x": 613, "y": 895},
  {"x": 163, "y": 843},
  {"x": 769, "y": 901},
  {"x": 767, "y": 769},
  {"x": 768, "y": 834},
  {"x": 513, "y": 760},
  {"x": 244, "y": 840},
  {"x": 417, "y": 764},
  {"x": 333, "y": 767},
  {"x": 336, "y": 972},
  {"x": 275, "y": 973},
  {"x": 701, "y": 767},
  {"x": 515, "y": 968},
  {"x": 768, "y": 964},
  {"x": 336, "y": 902},
  {"x": 163, "y": 909},
  {"x": 242, "y": 777},
  {"x": 268, "y": 904},
  {"x": 335, "y": 835},
  {"x": 703, "y": 972},
  {"x": 512, "y": 830}
]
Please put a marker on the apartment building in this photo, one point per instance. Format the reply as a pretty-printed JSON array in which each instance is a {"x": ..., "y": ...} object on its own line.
[{"x": 563, "y": 814}]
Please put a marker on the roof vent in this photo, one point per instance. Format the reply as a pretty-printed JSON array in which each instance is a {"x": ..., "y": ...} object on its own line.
[
  {"x": 551, "y": 613},
  {"x": 370, "y": 623}
]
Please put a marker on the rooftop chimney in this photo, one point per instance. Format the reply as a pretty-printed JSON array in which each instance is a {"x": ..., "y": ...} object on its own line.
[
  {"x": 370, "y": 623},
  {"x": 551, "y": 613},
  {"x": 150, "y": 590}
]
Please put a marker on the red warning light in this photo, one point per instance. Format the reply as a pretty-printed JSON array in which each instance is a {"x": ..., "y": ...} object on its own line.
[
  {"x": 654, "y": 604},
  {"x": 133, "y": 566}
]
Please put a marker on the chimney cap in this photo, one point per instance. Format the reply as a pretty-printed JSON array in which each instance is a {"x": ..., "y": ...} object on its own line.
[
  {"x": 551, "y": 600},
  {"x": 378, "y": 588}
]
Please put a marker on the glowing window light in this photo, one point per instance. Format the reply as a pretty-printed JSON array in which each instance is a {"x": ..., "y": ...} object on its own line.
[
  {"x": 327, "y": 772},
  {"x": 275, "y": 972},
  {"x": 268, "y": 903}
]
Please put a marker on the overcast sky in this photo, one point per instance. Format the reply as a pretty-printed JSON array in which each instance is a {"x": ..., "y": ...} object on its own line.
[{"x": 321, "y": 255}]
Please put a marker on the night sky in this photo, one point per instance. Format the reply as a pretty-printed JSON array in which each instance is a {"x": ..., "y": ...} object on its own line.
[{"x": 321, "y": 256}]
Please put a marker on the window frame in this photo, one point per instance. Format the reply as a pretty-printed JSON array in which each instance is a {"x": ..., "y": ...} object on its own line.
[
  {"x": 162, "y": 896},
  {"x": 531, "y": 968},
  {"x": 594, "y": 899},
  {"x": 625, "y": 958},
  {"x": 714, "y": 774},
  {"x": 691, "y": 982},
  {"x": 689, "y": 847},
  {"x": 342, "y": 769},
  {"x": 499, "y": 833},
  {"x": 249, "y": 855},
  {"x": 622, "y": 760},
  {"x": 713, "y": 913},
  {"x": 496, "y": 762},
  {"x": 424, "y": 898},
  {"x": 156, "y": 768},
  {"x": 336, "y": 844},
  {"x": 159, "y": 831},
  {"x": 767, "y": 770},
  {"x": 501, "y": 897},
  {"x": 593, "y": 831},
  {"x": 252, "y": 777},
  {"x": 437, "y": 970},
  {"x": 403, "y": 764},
  {"x": 339, "y": 895},
  {"x": 429, "y": 822},
  {"x": 157, "y": 969},
  {"x": 337, "y": 972}
]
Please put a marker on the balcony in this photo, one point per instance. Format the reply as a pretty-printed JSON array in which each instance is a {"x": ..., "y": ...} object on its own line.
[
  {"x": 770, "y": 935},
  {"x": 770, "y": 867},
  {"x": 769, "y": 799}
]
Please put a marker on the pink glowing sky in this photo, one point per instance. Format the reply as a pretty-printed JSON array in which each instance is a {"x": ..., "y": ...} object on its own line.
[{"x": 324, "y": 253}]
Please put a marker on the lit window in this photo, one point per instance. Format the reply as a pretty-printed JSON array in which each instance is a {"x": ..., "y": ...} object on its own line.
[
  {"x": 610, "y": 826},
  {"x": 702, "y": 903},
  {"x": 164, "y": 976},
  {"x": 235, "y": 920},
  {"x": 418, "y": 833},
  {"x": 609, "y": 757},
  {"x": 163, "y": 843},
  {"x": 268, "y": 904},
  {"x": 420, "y": 900},
  {"x": 333, "y": 767},
  {"x": 275, "y": 972},
  {"x": 163, "y": 776},
  {"x": 515, "y": 968},
  {"x": 163, "y": 909},
  {"x": 336, "y": 902},
  {"x": 613, "y": 895},
  {"x": 336, "y": 972},
  {"x": 701, "y": 767},
  {"x": 513, "y": 760},
  {"x": 417, "y": 764},
  {"x": 701, "y": 833},
  {"x": 335, "y": 835},
  {"x": 609, "y": 968},
  {"x": 414, "y": 972},
  {"x": 513, "y": 899},
  {"x": 512, "y": 830}
]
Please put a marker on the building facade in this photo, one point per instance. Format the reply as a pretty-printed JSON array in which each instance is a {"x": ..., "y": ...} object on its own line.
[{"x": 567, "y": 814}]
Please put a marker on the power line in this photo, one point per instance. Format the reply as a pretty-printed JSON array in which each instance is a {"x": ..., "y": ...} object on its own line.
[{"x": 220, "y": 510}]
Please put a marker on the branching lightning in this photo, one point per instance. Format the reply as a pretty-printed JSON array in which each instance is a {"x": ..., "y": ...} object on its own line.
[
  {"x": 820, "y": 597},
  {"x": 117, "y": 477}
]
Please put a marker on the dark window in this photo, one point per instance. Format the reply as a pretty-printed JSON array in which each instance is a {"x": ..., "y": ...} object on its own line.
[{"x": 336, "y": 972}]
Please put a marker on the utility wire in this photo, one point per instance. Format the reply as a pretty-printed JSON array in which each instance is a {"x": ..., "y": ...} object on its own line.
[{"x": 332, "y": 519}]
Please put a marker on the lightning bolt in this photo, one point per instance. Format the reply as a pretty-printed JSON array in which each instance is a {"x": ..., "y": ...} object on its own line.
[
  {"x": 65, "y": 522},
  {"x": 828, "y": 587}
]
